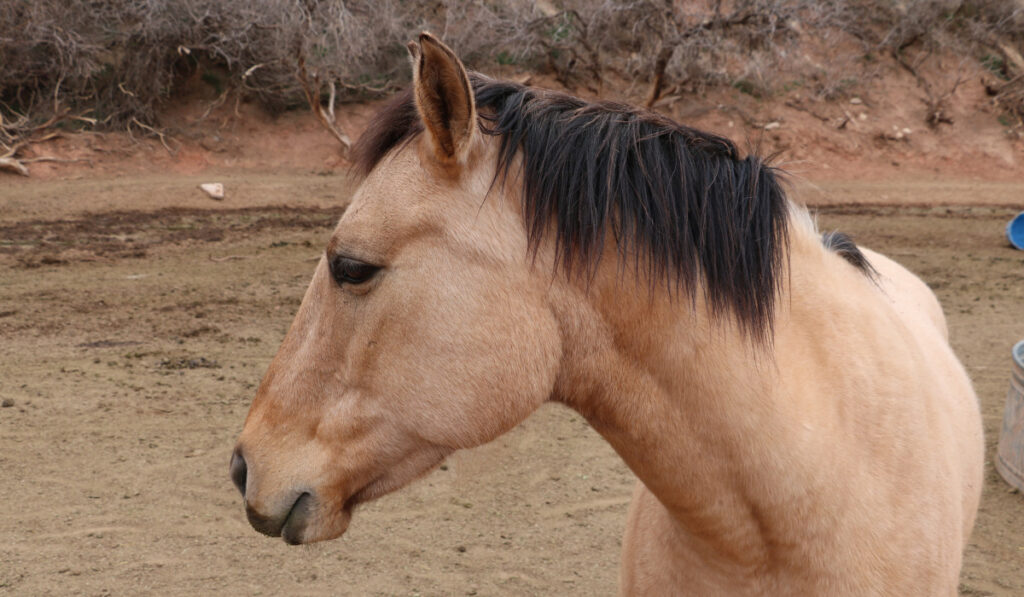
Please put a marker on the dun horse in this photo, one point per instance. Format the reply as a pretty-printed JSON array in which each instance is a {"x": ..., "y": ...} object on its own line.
[{"x": 796, "y": 418}]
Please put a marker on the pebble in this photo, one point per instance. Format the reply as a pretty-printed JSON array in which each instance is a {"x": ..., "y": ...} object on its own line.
[
  {"x": 214, "y": 189},
  {"x": 856, "y": 101},
  {"x": 771, "y": 126},
  {"x": 7, "y": 402}
]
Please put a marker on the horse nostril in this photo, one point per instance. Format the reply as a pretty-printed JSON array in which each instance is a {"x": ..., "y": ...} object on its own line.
[{"x": 238, "y": 470}]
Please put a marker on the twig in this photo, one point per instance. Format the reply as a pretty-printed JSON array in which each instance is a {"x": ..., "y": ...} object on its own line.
[
  {"x": 228, "y": 258},
  {"x": 8, "y": 161},
  {"x": 313, "y": 97},
  {"x": 159, "y": 134},
  {"x": 251, "y": 70},
  {"x": 660, "y": 63},
  {"x": 330, "y": 102},
  {"x": 1011, "y": 55},
  {"x": 369, "y": 90},
  {"x": 9, "y": 151},
  {"x": 847, "y": 119},
  {"x": 13, "y": 164},
  {"x": 213, "y": 105},
  {"x": 59, "y": 160},
  {"x": 799, "y": 106}
]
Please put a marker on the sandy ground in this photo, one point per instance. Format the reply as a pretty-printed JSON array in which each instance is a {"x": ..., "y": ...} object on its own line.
[{"x": 137, "y": 317}]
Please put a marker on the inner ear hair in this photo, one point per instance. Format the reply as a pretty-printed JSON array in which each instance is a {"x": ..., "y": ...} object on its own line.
[{"x": 444, "y": 97}]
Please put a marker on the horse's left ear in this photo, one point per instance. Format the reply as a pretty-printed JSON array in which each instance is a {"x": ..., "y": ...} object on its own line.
[{"x": 444, "y": 98}]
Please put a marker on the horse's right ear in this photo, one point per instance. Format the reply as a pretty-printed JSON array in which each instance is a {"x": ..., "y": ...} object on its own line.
[{"x": 444, "y": 98}]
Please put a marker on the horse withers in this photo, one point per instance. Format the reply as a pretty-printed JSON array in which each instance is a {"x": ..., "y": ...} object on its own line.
[{"x": 796, "y": 418}]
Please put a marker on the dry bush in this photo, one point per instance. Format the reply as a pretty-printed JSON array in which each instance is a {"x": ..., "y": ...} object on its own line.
[
  {"x": 112, "y": 63},
  {"x": 122, "y": 57},
  {"x": 117, "y": 60},
  {"x": 985, "y": 33},
  {"x": 659, "y": 44},
  {"x": 1009, "y": 96}
]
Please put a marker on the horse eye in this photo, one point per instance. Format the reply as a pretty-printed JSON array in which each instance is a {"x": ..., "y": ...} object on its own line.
[{"x": 351, "y": 271}]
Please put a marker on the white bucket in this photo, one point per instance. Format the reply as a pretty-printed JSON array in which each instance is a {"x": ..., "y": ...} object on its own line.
[{"x": 1010, "y": 454}]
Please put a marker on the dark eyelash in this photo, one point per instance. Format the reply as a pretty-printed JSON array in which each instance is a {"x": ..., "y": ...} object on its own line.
[{"x": 346, "y": 270}]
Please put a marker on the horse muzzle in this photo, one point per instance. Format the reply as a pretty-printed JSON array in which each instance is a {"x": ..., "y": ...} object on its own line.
[{"x": 290, "y": 526}]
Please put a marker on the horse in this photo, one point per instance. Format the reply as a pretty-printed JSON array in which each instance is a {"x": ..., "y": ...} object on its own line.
[{"x": 790, "y": 405}]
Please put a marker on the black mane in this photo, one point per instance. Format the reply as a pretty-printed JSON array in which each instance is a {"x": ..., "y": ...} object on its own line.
[
  {"x": 842, "y": 245},
  {"x": 681, "y": 203}
]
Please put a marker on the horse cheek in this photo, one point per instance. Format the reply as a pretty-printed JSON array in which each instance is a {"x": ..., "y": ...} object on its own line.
[{"x": 521, "y": 374}]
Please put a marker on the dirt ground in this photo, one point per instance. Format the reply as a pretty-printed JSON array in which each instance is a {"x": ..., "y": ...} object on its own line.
[{"x": 137, "y": 317}]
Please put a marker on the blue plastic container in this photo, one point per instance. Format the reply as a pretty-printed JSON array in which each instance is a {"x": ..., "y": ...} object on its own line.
[{"x": 1015, "y": 231}]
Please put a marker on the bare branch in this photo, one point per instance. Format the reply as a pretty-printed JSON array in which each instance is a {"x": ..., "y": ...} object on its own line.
[
  {"x": 13, "y": 164},
  {"x": 660, "y": 63},
  {"x": 312, "y": 91},
  {"x": 159, "y": 134}
]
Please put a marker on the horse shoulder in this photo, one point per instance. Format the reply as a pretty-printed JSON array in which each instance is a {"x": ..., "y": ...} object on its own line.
[
  {"x": 915, "y": 302},
  {"x": 869, "y": 363}
]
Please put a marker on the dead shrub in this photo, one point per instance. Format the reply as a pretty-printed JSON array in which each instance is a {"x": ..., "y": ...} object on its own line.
[{"x": 83, "y": 63}]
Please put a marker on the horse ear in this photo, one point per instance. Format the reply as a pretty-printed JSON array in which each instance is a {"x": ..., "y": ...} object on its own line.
[{"x": 444, "y": 98}]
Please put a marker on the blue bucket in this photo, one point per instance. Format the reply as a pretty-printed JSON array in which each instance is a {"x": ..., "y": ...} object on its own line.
[{"x": 1015, "y": 231}]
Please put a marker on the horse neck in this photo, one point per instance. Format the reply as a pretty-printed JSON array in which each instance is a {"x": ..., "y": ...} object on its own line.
[{"x": 689, "y": 403}]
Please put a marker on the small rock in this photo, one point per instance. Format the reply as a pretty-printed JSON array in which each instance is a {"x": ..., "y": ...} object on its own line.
[
  {"x": 771, "y": 126},
  {"x": 862, "y": 116},
  {"x": 907, "y": 131},
  {"x": 214, "y": 189},
  {"x": 7, "y": 402},
  {"x": 856, "y": 101}
]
